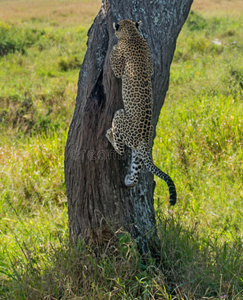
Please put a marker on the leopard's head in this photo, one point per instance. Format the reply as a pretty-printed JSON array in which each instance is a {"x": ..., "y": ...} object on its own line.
[{"x": 126, "y": 28}]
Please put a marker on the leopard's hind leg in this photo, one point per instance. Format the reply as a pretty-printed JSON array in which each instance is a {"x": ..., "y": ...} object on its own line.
[
  {"x": 136, "y": 166},
  {"x": 115, "y": 133}
]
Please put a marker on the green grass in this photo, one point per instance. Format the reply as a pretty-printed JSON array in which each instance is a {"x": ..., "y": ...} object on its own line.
[{"x": 199, "y": 143}]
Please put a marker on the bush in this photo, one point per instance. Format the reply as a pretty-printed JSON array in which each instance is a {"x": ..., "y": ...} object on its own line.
[
  {"x": 196, "y": 21},
  {"x": 69, "y": 63},
  {"x": 17, "y": 39}
]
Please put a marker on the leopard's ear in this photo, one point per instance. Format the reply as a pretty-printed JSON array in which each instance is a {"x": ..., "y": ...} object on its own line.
[
  {"x": 138, "y": 24},
  {"x": 116, "y": 26}
]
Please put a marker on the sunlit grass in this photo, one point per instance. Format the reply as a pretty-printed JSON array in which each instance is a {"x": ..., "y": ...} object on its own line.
[
  {"x": 203, "y": 138},
  {"x": 218, "y": 8},
  {"x": 45, "y": 13}
]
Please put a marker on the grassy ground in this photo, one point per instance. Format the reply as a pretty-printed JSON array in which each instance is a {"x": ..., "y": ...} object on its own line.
[{"x": 199, "y": 143}]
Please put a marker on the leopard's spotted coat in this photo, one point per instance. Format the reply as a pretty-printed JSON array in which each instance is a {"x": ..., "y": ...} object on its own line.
[{"x": 131, "y": 61}]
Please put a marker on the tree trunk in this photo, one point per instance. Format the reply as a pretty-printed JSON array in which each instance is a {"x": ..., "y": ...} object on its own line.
[{"x": 99, "y": 203}]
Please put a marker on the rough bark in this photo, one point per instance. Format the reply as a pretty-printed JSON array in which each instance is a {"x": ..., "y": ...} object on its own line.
[{"x": 98, "y": 201}]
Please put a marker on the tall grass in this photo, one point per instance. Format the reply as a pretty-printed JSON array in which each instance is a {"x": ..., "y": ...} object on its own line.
[{"x": 199, "y": 143}]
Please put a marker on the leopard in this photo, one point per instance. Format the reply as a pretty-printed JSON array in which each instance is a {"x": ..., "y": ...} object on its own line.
[{"x": 131, "y": 60}]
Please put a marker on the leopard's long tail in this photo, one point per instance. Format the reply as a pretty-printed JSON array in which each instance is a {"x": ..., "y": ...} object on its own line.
[{"x": 148, "y": 163}]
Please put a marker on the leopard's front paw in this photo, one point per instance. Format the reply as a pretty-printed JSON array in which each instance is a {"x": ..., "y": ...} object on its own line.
[{"x": 109, "y": 135}]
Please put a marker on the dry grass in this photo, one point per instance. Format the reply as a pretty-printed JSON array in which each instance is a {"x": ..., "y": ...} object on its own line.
[
  {"x": 214, "y": 7},
  {"x": 83, "y": 12},
  {"x": 64, "y": 12}
]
